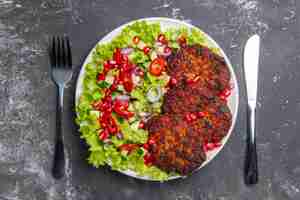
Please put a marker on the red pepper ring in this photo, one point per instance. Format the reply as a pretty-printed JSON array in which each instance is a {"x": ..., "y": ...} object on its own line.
[
  {"x": 162, "y": 39},
  {"x": 121, "y": 109}
]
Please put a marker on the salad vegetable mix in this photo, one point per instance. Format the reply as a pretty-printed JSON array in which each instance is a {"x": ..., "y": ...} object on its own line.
[{"x": 123, "y": 86}]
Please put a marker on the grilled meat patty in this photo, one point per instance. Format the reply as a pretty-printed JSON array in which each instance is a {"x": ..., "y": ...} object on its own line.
[
  {"x": 199, "y": 62},
  {"x": 179, "y": 143},
  {"x": 178, "y": 147}
]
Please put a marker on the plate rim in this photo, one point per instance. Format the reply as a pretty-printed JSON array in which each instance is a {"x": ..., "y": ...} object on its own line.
[{"x": 78, "y": 89}]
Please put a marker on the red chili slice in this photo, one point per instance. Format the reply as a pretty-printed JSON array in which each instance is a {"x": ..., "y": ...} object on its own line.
[
  {"x": 135, "y": 39},
  {"x": 157, "y": 66},
  {"x": 118, "y": 57},
  {"x": 103, "y": 135},
  {"x": 128, "y": 147},
  {"x": 127, "y": 82},
  {"x": 181, "y": 41},
  {"x": 162, "y": 39},
  {"x": 106, "y": 66}
]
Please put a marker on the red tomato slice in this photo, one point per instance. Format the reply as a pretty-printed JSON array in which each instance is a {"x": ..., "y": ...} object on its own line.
[{"x": 157, "y": 66}]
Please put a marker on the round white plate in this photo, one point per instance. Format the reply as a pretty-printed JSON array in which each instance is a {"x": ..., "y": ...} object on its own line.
[{"x": 233, "y": 100}]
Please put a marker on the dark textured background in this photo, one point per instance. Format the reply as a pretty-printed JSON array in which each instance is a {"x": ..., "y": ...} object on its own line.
[{"x": 27, "y": 99}]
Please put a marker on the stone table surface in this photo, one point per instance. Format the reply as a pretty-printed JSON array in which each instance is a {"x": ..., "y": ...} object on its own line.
[{"x": 27, "y": 99}]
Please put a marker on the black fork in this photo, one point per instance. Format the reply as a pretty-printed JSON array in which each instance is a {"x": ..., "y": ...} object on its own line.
[{"x": 61, "y": 70}]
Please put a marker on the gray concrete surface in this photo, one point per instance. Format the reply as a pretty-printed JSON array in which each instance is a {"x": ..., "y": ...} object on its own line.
[{"x": 27, "y": 99}]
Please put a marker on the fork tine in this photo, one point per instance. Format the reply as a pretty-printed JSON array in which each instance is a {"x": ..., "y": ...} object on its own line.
[
  {"x": 58, "y": 53},
  {"x": 63, "y": 52},
  {"x": 69, "y": 54},
  {"x": 52, "y": 52}
]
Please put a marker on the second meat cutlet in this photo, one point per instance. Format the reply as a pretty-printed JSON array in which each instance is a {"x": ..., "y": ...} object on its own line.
[{"x": 179, "y": 143}]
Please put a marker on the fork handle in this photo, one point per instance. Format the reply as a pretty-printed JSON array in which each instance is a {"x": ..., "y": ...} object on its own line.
[
  {"x": 58, "y": 169},
  {"x": 251, "y": 169}
]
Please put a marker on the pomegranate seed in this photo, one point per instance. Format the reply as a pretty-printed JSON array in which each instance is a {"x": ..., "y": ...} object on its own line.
[
  {"x": 202, "y": 114},
  {"x": 216, "y": 145},
  {"x": 148, "y": 159},
  {"x": 188, "y": 118},
  {"x": 141, "y": 125},
  {"x": 125, "y": 58},
  {"x": 109, "y": 109},
  {"x": 204, "y": 148},
  {"x": 140, "y": 72},
  {"x": 173, "y": 81},
  {"x": 112, "y": 63},
  {"x": 135, "y": 40},
  {"x": 101, "y": 77},
  {"x": 193, "y": 116},
  {"x": 103, "y": 135},
  {"x": 146, "y": 146},
  {"x": 162, "y": 39},
  {"x": 151, "y": 141},
  {"x": 106, "y": 65},
  {"x": 112, "y": 129},
  {"x": 146, "y": 50},
  {"x": 167, "y": 50},
  {"x": 210, "y": 146},
  {"x": 227, "y": 92}
]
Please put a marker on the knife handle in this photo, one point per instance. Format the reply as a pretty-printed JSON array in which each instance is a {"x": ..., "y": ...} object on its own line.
[{"x": 251, "y": 169}]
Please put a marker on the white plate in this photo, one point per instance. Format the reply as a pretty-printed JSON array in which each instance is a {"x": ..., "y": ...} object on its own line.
[{"x": 233, "y": 100}]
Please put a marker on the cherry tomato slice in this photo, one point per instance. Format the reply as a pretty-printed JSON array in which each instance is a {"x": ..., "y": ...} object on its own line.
[{"x": 157, "y": 66}]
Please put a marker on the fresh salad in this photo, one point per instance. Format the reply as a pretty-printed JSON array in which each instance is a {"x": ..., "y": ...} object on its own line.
[{"x": 123, "y": 86}]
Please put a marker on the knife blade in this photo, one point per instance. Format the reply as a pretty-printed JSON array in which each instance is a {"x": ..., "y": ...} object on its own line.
[
  {"x": 251, "y": 61},
  {"x": 251, "y": 64}
]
